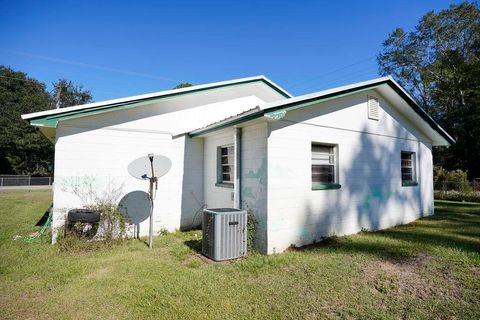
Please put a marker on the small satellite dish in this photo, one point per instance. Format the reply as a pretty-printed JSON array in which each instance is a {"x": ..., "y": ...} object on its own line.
[
  {"x": 135, "y": 206},
  {"x": 141, "y": 168}
]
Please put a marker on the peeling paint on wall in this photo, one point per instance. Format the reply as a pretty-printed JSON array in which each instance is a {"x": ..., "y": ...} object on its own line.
[
  {"x": 260, "y": 174},
  {"x": 247, "y": 192},
  {"x": 376, "y": 194}
]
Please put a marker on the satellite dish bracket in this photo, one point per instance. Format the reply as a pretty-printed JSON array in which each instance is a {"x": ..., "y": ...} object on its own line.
[{"x": 139, "y": 169}]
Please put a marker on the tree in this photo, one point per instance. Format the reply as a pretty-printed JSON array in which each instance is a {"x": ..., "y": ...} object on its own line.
[
  {"x": 439, "y": 64},
  {"x": 182, "y": 85},
  {"x": 66, "y": 94},
  {"x": 23, "y": 150}
]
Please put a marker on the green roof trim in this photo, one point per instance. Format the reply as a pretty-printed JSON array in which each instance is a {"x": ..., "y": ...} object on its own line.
[
  {"x": 44, "y": 123},
  {"x": 309, "y": 102},
  {"x": 276, "y": 112},
  {"x": 273, "y": 113},
  {"x": 52, "y": 120},
  {"x": 276, "y": 88}
]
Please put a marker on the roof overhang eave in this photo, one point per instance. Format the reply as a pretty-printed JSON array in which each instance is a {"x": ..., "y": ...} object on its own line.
[
  {"x": 227, "y": 123},
  {"x": 92, "y": 107},
  {"x": 277, "y": 110}
]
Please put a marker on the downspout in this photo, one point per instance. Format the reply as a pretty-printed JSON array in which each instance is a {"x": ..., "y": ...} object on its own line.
[{"x": 238, "y": 169}]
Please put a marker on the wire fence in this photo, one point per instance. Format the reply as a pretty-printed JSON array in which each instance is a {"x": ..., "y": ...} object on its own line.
[
  {"x": 463, "y": 186},
  {"x": 15, "y": 181},
  {"x": 25, "y": 180}
]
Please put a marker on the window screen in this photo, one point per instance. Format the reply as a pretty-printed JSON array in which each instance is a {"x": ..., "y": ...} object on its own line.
[
  {"x": 408, "y": 166},
  {"x": 226, "y": 164},
  {"x": 323, "y": 163}
]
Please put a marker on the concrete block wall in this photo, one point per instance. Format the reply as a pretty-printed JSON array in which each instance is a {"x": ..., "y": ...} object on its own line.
[
  {"x": 102, "y": 156},
  {"x": 216, "y": 196},
  {"x": 100, "y": 147},
  {"x": 371, "y": 195},
  {"x": 254, "y": 178},
  {"x": 192, "y": 183}
]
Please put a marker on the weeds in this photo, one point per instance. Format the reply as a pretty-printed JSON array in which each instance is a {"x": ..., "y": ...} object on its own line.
[
  {"x": 251, "y": 230},
  {"x": 113, "y": 223},
  {"x": 386, "y": 283}
]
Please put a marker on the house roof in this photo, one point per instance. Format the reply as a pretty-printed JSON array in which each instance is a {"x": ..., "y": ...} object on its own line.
[
  {"x": 50, "y": 118},
  {"x": 277, "y": 109}
]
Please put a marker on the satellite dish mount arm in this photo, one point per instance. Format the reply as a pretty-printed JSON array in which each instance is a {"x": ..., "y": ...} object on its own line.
[
  {"x": 144, "y": 169},
  {"x": 153, "y": 181}
]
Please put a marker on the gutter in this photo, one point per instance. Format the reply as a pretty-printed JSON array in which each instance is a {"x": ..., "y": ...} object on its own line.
[{"x": 238, "y": 169}]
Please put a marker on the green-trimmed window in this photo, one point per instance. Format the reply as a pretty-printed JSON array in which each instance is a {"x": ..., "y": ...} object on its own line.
[
  {"x": 408, "y": 168},
  {"x": 225, "y": 164},
  {"x": 324, "y": 164}
]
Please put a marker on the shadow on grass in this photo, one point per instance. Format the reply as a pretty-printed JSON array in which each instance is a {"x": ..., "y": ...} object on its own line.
[
  {"x": 44, "y": 217},
  {"x": 365, "y": 243},
  {"x": 454, "y": 226},
  {"x": 195, "y": 245},
  {"x": 143, "y": 241}
]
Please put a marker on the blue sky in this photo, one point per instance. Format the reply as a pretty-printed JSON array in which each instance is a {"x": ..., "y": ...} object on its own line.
[{"x": 122, "y": 48}]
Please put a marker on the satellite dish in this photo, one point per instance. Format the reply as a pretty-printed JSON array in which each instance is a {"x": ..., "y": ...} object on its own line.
[
  {"x": 141, "y": 168},
  {"x": 150, "y": 168},
  {"x": 136, "y": 206}
]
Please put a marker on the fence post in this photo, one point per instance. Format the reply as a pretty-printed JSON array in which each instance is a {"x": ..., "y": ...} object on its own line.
[
  {"x": 1, "y": 185},
  {"x": 49, "y": 181},
  {"x": 29, "y": 180}
]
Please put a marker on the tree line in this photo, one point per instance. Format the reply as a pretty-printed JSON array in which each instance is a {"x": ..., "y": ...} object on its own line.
[
  {"x": 438, "y": 63},
  {"x": 23, "y": 150}
]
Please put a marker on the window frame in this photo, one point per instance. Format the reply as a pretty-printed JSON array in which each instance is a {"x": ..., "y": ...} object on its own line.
[
  {"x": 220, "y": 173},
  {"x": 413, "y": 167},
  {"x": 325, "y": 185}
]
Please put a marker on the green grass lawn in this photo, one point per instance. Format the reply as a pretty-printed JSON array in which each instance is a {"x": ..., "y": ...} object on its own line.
[{"x": 427, "y": 269}]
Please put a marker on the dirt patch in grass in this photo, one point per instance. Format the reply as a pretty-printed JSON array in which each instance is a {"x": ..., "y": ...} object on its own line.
[
  {"x": 402, "y": 276},
  {"x": 413, "y": 277},
  {"x": 198, "y": 259},
  {"x": 195, "y": 261},
  {"x": 475, "y": 271}
]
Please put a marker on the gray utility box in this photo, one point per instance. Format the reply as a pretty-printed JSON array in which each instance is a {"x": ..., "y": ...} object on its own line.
[{"x": 224, "y": 233}]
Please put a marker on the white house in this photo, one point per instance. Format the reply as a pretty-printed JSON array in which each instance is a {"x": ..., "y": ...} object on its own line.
[{"x": 327, "y": 163}]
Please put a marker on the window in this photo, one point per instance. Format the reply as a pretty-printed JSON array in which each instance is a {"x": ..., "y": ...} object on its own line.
[
  {"x": 225, "y": 165},
  {"x": 324, "y": 163},
  {"x": 373, "y": 108},
  {"x": 408, "y": 168}
]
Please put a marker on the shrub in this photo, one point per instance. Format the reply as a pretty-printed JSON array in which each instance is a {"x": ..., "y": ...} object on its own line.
[
  {"x": 251, "y": 229},
  {"x": 453, "y": 195},
  {"x": 451, "y": 180}
]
